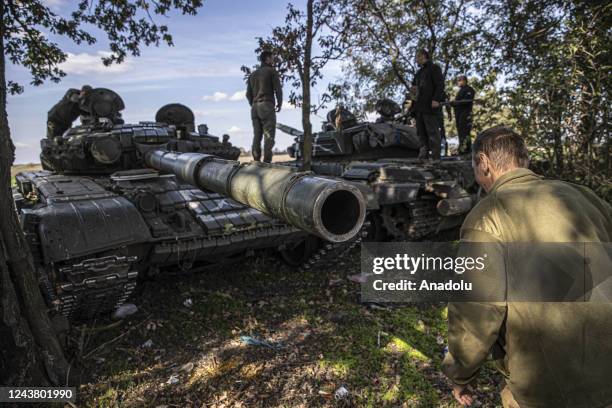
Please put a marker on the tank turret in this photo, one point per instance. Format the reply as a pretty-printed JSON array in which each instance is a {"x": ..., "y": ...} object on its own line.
[
  {"x": 407, "y": 198},
  {"x": 104, "y": 144},
  {"x": 343, "y": 137}
]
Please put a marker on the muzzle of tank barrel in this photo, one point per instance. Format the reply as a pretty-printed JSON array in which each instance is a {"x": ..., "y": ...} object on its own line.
[{"x": 331, "y": 209}]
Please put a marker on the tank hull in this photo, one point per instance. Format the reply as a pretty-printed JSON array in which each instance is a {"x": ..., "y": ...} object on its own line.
[{"x": 95, "y": 238}]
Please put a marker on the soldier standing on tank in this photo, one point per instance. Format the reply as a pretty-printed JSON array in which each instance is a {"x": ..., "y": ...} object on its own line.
[
  {"x": 463, "y": 103},
  {"x": 263, "y": 86},
  {"x": 66, "y": 111},
  {"x": 429, "y": 84}
]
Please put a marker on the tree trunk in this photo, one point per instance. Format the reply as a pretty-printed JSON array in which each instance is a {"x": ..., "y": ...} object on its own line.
[
  {"x": 306, "y": 91},
  {"x": 30, "y": 352}
]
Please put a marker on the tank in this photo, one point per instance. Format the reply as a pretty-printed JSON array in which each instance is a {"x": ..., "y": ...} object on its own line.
[
  {"x": 407, "y": 199},
  {"x": 118, "y": 203}
]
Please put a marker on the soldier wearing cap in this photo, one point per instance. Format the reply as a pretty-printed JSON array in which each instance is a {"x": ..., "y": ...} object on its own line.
[{"x": 265, "y": 95}]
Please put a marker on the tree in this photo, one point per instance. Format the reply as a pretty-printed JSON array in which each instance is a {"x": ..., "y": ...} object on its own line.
[
  {"x": 30, "y": 351},
  {"x": 382, "y": 38},
  {"x": 292, "y": 44},
  {"x": 555, "y": 55}
]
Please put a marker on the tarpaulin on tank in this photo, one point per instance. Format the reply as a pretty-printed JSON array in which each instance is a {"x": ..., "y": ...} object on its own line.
[{"x": 77, "y": 228}]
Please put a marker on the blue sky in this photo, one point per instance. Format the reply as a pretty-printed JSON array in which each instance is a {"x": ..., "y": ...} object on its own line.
[{"x": 201, "y": 71}]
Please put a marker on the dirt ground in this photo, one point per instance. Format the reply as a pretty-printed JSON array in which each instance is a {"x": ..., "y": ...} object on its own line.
[{"x": 185, "y": 347}]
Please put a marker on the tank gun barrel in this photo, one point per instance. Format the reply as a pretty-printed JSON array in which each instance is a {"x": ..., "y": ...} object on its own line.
[
  {"x": 289, "y": 130},
  {"x": 331, "y": 209}
]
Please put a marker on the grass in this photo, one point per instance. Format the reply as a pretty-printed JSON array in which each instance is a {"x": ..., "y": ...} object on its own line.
[{"x": 384, "y": 357}]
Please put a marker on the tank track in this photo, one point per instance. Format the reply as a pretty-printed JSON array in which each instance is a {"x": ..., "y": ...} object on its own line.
[
  {"x": 422, "y": 215},
  {"x": 83, "y": 295},
  {"x": 84, "y": 289},
  {"x": 330, "y": 253}
]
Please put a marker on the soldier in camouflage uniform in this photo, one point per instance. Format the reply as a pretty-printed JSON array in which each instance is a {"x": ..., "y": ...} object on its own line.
[
  {"x": 552, "y": 354},
  {"x": 66, "y": 111},
  {"x": 263, "y": 86}
]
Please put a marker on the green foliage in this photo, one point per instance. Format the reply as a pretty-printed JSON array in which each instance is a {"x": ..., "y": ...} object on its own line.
[
  {"x": 556, "y": 58},
  {"x": 541, "y": 66},
  {"x": 382, "y": 38},
  {"x": 288, "y": 44},
  {"x": 127, "y": 24}
]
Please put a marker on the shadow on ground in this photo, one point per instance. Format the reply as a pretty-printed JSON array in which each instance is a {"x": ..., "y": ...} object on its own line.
[{"x": 174, "y": 355}]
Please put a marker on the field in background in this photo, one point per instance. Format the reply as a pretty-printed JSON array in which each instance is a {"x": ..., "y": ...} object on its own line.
[{"x": 18, "y": 168}]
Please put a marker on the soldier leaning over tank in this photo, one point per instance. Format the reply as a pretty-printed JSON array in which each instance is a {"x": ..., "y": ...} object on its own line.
[
  {"x": 463, "y": 103},
  {"x": 429, "y": 83},
  {"x": 263, "y": 86},
  {"x": 552, "y": 354},
  {"x": 66, "y": 111}
]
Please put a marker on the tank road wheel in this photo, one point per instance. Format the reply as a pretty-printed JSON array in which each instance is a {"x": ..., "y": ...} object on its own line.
[
  {"x": 296, "y": 254},
  {"x": 376, "y": 231},
  {"x": 396, "y": 219}
]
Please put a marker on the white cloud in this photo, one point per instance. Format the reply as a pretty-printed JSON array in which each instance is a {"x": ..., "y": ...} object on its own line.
[
  {"x": 85, "y": 63},
  {"x": 234, "y": 129},
  {"x": 238, "y": 96},
  {"x": 22, "y": 145},
  {"x": 216, "y": 97},
  {"x": 223, "y": 96}
]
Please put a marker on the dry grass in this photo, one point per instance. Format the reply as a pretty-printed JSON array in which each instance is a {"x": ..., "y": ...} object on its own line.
[
  {"x": 275, "y": 158},
  {"x": 18, "y": 168}
]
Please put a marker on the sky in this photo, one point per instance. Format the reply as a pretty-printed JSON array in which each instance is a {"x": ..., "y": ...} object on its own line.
[{"x": 201, "y": 71}]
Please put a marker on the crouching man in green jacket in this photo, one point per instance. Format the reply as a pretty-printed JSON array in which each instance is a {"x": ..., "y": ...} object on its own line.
[{"x": 552, "y": 354}]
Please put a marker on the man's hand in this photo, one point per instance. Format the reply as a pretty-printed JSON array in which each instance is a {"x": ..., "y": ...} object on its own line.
[
  {"x": 278, "y": 108},
  {"x": 463, "y": 394},
  {"x": 435, "y": 104}
]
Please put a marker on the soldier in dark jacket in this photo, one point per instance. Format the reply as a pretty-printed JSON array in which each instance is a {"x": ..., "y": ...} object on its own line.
[
  {"x": 429, "y": 84},
  {"x": 66, "y": 111},
  {"x": 462, "y": 105},
  {"x": 263, "y": 86}
]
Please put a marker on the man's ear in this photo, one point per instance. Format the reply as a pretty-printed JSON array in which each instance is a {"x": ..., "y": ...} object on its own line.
[{"x": 484, "y": 164}]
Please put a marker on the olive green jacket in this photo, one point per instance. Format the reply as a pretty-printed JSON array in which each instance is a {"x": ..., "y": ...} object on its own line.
[
  {"x": 554, "y": 354},
  {"x": 263, "y": 85}
]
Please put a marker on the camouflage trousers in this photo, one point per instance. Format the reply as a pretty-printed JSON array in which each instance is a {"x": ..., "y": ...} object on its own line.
[{"x": 264, "y": 126}]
